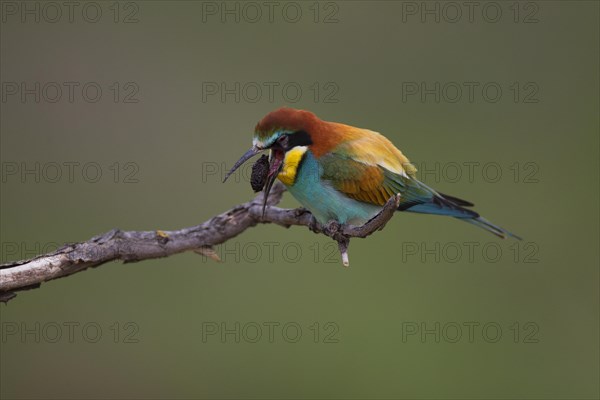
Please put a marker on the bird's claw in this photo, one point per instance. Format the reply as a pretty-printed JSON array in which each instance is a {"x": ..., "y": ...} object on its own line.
[
  {"x": 300, "y": 211},
  {"x": 332, "y": 227}
]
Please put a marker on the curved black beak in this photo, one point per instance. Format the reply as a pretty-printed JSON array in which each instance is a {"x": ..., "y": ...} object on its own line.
[
  {"x": 247, "y": 155},
  {"x": 275, "y": 165},
  {"x": 266, "y": 191}
]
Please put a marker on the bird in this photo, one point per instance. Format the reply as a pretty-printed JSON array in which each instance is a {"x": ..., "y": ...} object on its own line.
[{"x": 347, "y": 174}]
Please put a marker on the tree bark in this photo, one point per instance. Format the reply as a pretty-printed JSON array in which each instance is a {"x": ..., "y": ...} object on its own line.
[{"x": 132, "y": 246}]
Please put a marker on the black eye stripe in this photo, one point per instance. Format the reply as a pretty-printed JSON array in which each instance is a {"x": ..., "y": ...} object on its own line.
[{"x": 299, "y": 138}]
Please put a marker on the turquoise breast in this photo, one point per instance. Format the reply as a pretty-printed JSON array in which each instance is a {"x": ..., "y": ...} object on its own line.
[{"x": 325, "y": 202}]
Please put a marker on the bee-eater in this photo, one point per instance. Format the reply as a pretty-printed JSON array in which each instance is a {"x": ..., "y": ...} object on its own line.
[{"x": 343, "y": 173}]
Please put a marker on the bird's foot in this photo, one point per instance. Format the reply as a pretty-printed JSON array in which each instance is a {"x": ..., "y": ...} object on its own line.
[
  {"x": 332, "y": 227},
  {"x": 376, "y": 223},
  {"x": 313, "y": 224},
  {"x": 300, "y": 211},
  {"x": 342, "y": 233}
]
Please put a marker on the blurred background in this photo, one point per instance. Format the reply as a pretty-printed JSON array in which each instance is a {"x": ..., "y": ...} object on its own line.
[{"x": 127, "y": 114}]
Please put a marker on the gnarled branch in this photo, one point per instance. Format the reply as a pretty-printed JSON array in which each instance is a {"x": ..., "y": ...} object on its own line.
[{"x": 132, "y": 246}]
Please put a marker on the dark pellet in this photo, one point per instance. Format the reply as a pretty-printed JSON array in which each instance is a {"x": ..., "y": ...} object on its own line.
[{"x": 260, "y": 169}]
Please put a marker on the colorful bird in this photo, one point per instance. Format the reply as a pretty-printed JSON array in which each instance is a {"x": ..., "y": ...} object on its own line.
[{"x": 343, "y": 173}]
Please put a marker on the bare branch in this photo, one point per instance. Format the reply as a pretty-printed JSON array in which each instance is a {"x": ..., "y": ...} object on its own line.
[{"x": 132, "y": 246}]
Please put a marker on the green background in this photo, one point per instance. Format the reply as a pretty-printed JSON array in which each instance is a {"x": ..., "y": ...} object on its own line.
[{"x": 173, "y": 135}]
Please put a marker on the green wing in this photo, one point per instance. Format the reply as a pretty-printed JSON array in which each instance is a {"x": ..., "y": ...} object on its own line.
[{"x": 372, "y": 183}]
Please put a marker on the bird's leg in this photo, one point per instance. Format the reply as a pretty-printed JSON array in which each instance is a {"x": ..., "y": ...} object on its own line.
[
  {"x": 312, "y": 223},
  {"x": 332, "y": 228},
  {"x": 342, "y": 233},
  {"x": 376, "y": 223}
]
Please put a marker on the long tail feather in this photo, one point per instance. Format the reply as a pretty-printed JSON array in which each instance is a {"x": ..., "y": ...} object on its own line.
[
  {"x": 432, "y": 202},
  {"x": 456, "y": 200},
  {"x": 488, "y": 226}
]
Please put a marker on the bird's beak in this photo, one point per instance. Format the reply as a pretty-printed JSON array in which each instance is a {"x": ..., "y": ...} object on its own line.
[
  {"x": 275, "y": 165},
  {"x": 247, "y": 155},
  {"x": 277, "y": 157}
]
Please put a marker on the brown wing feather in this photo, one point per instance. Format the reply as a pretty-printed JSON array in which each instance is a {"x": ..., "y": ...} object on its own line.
[{"x": 362, "y": 182}]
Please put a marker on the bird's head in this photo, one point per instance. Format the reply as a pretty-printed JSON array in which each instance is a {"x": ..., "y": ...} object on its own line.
[{"x": 280, "y": 131}]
